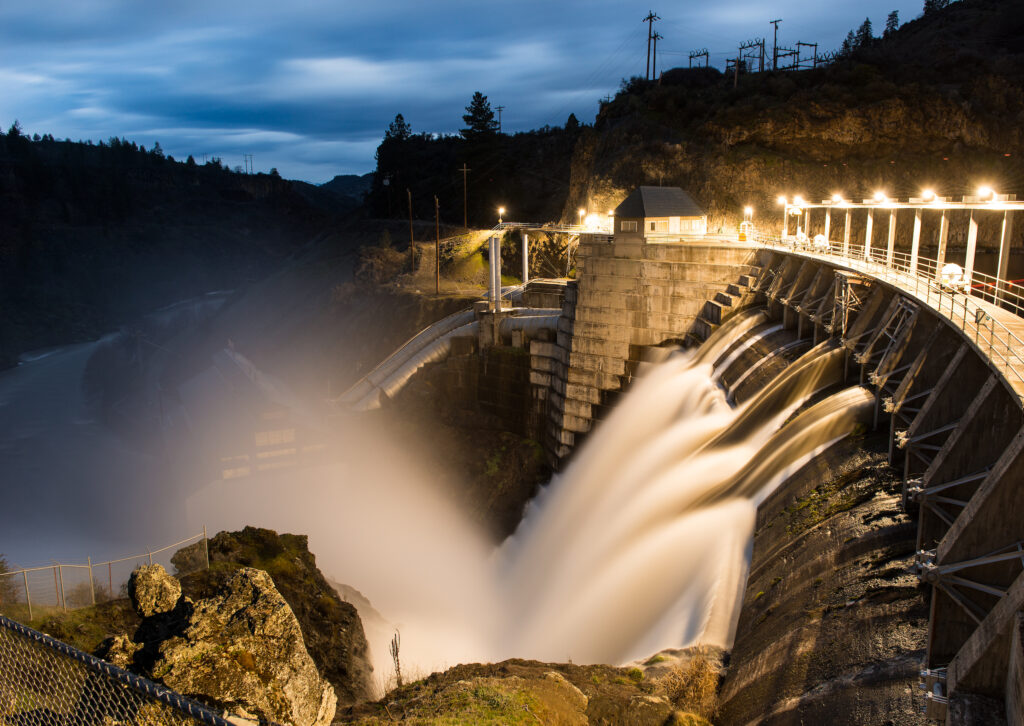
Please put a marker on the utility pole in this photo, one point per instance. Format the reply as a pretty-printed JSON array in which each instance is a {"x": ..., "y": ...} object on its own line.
[
  {"x": 702, "y": 53},
  {"x": 437, "y": 246},
  {"x": 736, "y": 72},
  {"x": 775, "y": 44},
  {"x": 500, "y": 109},
  {"x": 651, "y": 17},
  {"x": 465, "y": 217},
  {"x": 654, "y": 66}
]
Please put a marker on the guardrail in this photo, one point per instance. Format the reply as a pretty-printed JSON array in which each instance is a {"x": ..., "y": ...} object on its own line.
[{"x": 921, "y": 277}]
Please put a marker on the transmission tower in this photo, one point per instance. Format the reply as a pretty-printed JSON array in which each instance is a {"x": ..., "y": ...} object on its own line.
[
  {"x": 752, "y": 51},
  {"x": 812, "y": 60},
  {"x": 702, "y": 53}
]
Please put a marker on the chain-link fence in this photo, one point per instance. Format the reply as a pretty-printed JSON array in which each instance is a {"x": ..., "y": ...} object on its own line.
[
  {"x": 44, "y": 682},
  {"x": 33, "y": 592}
]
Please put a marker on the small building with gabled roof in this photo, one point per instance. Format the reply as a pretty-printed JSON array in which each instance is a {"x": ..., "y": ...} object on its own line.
[{"x": 655, "y": 214}]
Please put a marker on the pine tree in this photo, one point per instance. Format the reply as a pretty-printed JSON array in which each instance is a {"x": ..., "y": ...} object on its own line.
[
  {"x": 398, "y": 129},
  {"x": 479, "y": 118},
  {"x": 572, "y": 123},
  {"x": 892, "y": 23},
  {"x": 157, "y": 150},
  {"x": 849, "y": 44},
  {"x": 865, "y": 35}
]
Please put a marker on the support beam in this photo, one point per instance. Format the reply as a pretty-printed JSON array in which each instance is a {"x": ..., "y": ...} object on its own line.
[
  {"x": 828, "y": 223},
  {"x": 915, "y": 243},
  {"x": 785, "y": 221},
  {"x": 867, "y": 234},
  {"x": 890, "y": 246},
  {"x": 980, "y": 665},
  {"x": 526, "y": 258},
  {"x": 940, "y": 255},
  {"x": 494, "y": 253},
  {"x": 846, "y": 235},
  {"x": 1004, "y": 251},
  {"x": 972, "y": 246}
]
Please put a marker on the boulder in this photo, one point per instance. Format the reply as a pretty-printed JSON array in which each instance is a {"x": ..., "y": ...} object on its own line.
[
  {"x": 244, "y": 651},
  {"x": 240, "y": 650},
  {"x": 153, "y": 591}
]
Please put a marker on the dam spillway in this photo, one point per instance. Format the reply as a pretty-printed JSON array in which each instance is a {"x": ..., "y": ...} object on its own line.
[{"x": 948, "y": 415}]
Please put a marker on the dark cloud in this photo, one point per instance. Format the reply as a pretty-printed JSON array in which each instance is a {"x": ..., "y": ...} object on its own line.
[{"x": 309, "y": 86}]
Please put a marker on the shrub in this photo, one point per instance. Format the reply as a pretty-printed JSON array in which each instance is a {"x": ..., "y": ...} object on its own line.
[{"x": 693, "y": 686}]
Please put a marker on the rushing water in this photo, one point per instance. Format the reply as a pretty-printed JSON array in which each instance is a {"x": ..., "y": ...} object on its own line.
[{"x": 641, "y": 544}]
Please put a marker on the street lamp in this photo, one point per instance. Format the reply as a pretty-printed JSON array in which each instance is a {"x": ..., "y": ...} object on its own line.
[
  {"x": 837, "y": 198},
  {"x": 928, "y": 195},
  {"x": 501, "y": 213},
  {"x": 748, "y": 212},
  {"x": 581, "y": 211},
  {"x": 880, "y": 196},
  {"x": 781, "y": 199},
  {"x": 987, "y": 192}
]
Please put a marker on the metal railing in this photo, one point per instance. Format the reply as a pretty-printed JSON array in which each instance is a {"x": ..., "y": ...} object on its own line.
[
  {"x": 32, "y": 592},
  {"x": 968, "y": 305},
  {"x": 45, "y": 682}
]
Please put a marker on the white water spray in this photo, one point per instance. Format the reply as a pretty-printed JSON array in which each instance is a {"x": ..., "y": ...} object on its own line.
[{"x": 641, "y": 544}]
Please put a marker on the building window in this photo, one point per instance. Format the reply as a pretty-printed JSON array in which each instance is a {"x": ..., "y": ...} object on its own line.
[
  {"x": 628, "y": 225},
  {"x": 659, "y": 226}
]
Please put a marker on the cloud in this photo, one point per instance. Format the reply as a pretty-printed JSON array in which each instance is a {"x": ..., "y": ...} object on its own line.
[{"x": 314, "y": 83}]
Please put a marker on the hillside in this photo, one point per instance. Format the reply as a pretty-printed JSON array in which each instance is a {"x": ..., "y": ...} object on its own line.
[
  {"x": 93, "y": 236},
  {"x": 938, "y": 102}
]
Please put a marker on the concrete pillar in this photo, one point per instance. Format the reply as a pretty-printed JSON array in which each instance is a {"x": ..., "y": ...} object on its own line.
[
  {"x": 526, "y": 257},
  {"x": 972, "y": 246},
  {"x": 1003, "y": 271},
  {"x": 807, "y": 222},
  {"x": 940, "y": 255},
  {"x": 867, "y": 234},
  {"x": 785, "y": 221},
  {"x": 846, "y": 235},
  {"x": 890, "y": 246},
  {"x": 494, "y": 252},
  {"x": 915, "y": 243},
  {"x": 828, "y": 222}
]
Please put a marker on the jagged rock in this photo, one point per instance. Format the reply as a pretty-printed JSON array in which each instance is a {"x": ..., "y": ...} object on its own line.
[
  {"x": 121, "y": 651},
  {"x": 332, "y": 629},
  {"x": 153, "y": 591},
  {"x": 244, "y": 652}
]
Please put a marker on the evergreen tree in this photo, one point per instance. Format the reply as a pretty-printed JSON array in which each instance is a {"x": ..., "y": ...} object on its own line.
[
  {"x": 190, "y": 161},
  {"x": 892, "y": 23},
  {"x": 865, "y": 35},
  {"x": 849, "y": 44},
  {"x": 157, "y": 150},
  {"x": 398, "y": 129},
  {"x": 479, "y": 118},
  {"x": 572, "y": 124},
  {"x": 15, "y": 129}
]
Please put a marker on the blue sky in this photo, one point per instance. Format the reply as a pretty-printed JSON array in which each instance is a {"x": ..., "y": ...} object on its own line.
[{"x": 308, "y": 86}]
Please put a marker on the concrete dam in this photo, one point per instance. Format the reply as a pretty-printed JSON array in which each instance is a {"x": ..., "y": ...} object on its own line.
[{"x": 885, "y": 576}]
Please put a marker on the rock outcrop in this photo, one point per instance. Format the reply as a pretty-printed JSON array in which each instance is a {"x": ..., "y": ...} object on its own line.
[
  {"x": 240, "y": 651},
  {"x": 331, "y": 628}
]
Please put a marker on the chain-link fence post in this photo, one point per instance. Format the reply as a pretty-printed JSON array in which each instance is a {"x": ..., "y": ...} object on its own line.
[
  {"x": 92, "y": 585},
  {"x": 28, "y": 598}
]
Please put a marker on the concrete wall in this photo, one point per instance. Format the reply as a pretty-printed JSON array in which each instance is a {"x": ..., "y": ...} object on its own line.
[{"x": 628, "y": 295}]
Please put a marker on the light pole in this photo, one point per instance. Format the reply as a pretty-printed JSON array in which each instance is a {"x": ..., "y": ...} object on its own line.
[
  {"x": 501, "y": 213},
  {"x": 581, "y": 211}
]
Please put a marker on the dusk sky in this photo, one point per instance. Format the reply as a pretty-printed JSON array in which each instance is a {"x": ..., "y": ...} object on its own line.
[{"x": 309, "y": 86}]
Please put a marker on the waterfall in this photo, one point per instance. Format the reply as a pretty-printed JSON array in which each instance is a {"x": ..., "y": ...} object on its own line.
[{"x": 640, "y": 544}]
